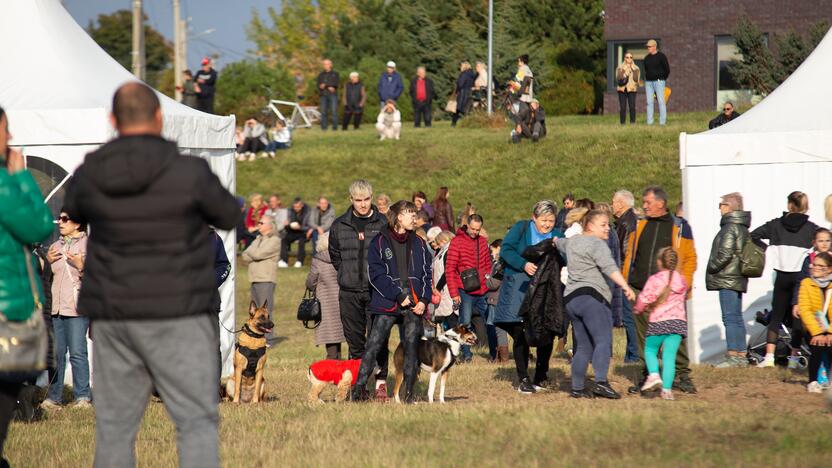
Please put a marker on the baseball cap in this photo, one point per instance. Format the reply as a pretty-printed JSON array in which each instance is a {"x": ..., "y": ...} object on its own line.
[
  {"x": 391, "y": 64},
  {"x": 206, "y": 60},
  {"x": 652, "y": 43}
]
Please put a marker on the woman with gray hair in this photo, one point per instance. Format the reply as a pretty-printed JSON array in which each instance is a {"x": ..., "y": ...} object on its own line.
[
  {"x": 516, "y": 277},
  {"x": 355, "y": 96},
  {"x": 724, "y": 274},
  {"x": 323, "y": 279}
]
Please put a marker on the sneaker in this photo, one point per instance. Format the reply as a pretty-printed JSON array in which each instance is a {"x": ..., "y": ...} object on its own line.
[
  {"x": 814, "y": 387},
  {"x": 381, "y": 393},
  {"x": 686, "y": 386},
  {"x": 584, "y": 393},
  {"x": 667, "y": 395},
  {"x": 526, "y": 387},
  {"x": 82, "y": 403},
  {"x": 298, "y": 264},
  {"x": 381, "y": 138},
  {"x": 282, "y": 264},
  {"x": 603, "y": 390},
  {"x": 541, "y": 386},
  {"x": 653, "y": 382},
  {"x": 50, "y": 405},
  {"x": 251, "y": 157},
  {"x": 271, "y": 154},
  {"x": 766, "y": 363}
]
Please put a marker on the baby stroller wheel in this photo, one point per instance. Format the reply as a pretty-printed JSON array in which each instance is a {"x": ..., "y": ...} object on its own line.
[
  {"x": 753, "y": 360},
  {"x": 802, "y": 362}
]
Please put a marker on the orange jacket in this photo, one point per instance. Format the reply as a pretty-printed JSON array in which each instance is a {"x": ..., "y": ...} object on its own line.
[{"x": 682, "y": 244}]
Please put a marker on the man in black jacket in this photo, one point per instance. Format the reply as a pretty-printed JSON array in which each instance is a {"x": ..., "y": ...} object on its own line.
[
  {"x": 626, "y": 221},
  {"x": 349, "y": 239},
  {"x": 295, "y": 231},
  {"x": 422, "y": 95},
  {"x": 728, "y": 114},
  {"x": 149, "y": 281},
  {"x": 207, "y": 79},
  {"x": 656, "y": 71},
  {"x": 328, "y": 91},
  {"x": 355, "y": 96},
  {"x": 530, "y": 122}
]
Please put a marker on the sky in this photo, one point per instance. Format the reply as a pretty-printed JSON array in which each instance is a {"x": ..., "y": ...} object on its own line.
[{"x": 227, "y": 17}]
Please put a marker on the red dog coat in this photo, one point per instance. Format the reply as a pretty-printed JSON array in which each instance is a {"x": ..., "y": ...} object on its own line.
[{"x": 330, "y": 370}]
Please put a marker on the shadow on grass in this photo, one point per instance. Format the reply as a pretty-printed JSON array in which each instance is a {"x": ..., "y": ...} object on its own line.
[{"x": 558, "y": 378}]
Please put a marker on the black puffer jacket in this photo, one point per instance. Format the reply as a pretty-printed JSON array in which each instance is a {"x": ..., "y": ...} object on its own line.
[
  {"x": 149, "y": 254},
  {"x": 348, "y": 249},
  {"x": 542, "y": 308},
  {"x": 724, "y": 268}
]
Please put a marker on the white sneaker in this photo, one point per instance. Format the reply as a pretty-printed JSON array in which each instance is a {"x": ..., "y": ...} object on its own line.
[
  {"x": 82, "y": 403},
  {"x": 766, "y": 363},
  {"x": 252, "y": 157},
  {"x": 667, "y": 395},
  {"x": 398, "y": 137},
  {"x": 381, "y": 138},
  {"x": 282, "y": 264},
  {"x": 298, "y": 264},
  {"x": 653, "y": 381},
  {"x": 814, "y": 387},
  {"x": 50, "y": 405},
  {"x": 271, "y": 154}
]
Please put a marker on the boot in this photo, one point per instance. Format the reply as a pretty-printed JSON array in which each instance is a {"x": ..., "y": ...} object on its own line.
[{"x": 502, "y": 354}]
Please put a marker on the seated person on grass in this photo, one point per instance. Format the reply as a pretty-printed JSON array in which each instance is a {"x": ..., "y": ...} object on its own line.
[
  {"x": 530, "y": 122},
  {"x": 281, "y": 138}
]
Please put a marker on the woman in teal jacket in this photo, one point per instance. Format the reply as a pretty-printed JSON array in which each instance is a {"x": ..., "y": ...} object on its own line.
[{"x": 24, "y": 219}]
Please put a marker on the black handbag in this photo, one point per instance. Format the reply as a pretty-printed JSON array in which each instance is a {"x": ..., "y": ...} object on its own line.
[
  {"x": 471, "y": 277},
  {"x": 309, "y": 310}
]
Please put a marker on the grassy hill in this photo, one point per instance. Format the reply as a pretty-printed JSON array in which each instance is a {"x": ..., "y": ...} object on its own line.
[{"x": 590, "y": 156}]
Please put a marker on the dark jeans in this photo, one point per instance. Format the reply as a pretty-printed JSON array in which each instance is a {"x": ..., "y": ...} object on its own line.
[
  {"x": 356, "y": 322},
  {"x": 627, "y": 99},
  {"x": 631, "y": 354},
  {"x": 421, "y": 111},
  {"x": 731, "y": 304},
  {"x": 277, "y": 145},
  {"x": 466, "y": 312},
  {"x": 8, "y": 402},
  {"x": 521, "y": 353},
  {"x": 380, "y": 335},
  {"x": 354, "y": 114},
  {"x": 333, "y": 351},
  {"x": 291, "y": 237},
  {"x": 252, "y": 145},
  {"x": 329, "y": 103},
  {"x": 592, "y": 328},
  {"x": 205, "y": 104},
  {"x": 819, "y": 354}
]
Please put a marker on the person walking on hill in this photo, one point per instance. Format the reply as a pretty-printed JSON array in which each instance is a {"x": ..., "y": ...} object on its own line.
[
  {"x": 464, "y": 87},
  {"x": 467, "y": 266},
  {"x": 390, "y": 84},
  {"x": 656, "y": 71},
  {"x": 149, "y": 282},
  {"x": 724, "y": 275},
  {"x": 422, "y": 94},
  {"x": 349, "y": 240},
  {"x": 443, "y": 212},
  {"x": 658, "y": 230},
  {"x": 627, "y": 77},
  {"x": 261, "y": 257},
  {"x": 328, "y": 91},
  {"x": 323, "y": 279},
  {"x": 355, "y": 96}
]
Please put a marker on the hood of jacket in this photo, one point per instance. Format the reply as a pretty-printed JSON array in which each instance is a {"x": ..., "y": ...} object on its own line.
[
  {"x": 129, "y": 165},
  {"x": 792, "y": 222},
  {"x": 742, "y": 218}
]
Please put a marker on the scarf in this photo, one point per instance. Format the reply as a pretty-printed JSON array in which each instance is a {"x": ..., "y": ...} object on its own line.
[
  {"x": 400, "y": 238},
  {"x": 823, "y": 282}
]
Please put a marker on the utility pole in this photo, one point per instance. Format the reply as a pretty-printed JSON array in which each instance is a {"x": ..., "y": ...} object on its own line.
[
  {"x": 138, "y": 40},
  {"x": 490, "y": 51},
  {"x": 177, "y": 49}
]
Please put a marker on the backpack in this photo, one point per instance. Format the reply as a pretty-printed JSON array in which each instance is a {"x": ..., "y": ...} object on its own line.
[{"x": 752, "y": 259}]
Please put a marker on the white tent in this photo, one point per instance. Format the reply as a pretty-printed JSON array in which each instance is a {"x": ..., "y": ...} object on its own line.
[
  {"x": 57, "y": 85},
  {"x": 781, "y": 145}
]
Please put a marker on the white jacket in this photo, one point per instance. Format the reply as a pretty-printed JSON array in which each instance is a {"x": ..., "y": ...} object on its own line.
[
  {"x": 445, "y": 306},
  {"x": 396, "y": 118}
]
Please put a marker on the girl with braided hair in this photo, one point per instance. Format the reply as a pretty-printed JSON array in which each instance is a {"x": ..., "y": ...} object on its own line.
[{"x": 663, "y": 299}]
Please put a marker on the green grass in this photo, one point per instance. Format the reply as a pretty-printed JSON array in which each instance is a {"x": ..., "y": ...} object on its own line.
[{"x": 742, "y": 417}]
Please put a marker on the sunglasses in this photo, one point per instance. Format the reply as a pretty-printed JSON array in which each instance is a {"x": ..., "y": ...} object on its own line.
[
  {"x": 727, "y": 108},
  {"x": 628, "y": 56},
  {"x": 721, "y": 205},
  {"x": 63, "y": 219}
]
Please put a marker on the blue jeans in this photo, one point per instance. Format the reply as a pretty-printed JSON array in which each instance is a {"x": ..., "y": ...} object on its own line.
[
  {"x": 731, "y": 304},
  {"x": 656, "y": 87},
  {"x": 631, "y": 354},
  {"x": 276, "y": 145},
  {"x": 466, "y": 311},
  {"x": 71, "y": 335},
  {"x": 329, "y": 103}
]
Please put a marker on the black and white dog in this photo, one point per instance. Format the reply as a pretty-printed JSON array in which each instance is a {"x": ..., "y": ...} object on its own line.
[{"x": 437, "y": 356}]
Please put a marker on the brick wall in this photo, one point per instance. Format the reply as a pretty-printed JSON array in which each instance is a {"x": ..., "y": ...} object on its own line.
[{"x": 686, "y": 30}]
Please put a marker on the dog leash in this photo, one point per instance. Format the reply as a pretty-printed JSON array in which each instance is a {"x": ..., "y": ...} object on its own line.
[{"x": 232, "y": 332}]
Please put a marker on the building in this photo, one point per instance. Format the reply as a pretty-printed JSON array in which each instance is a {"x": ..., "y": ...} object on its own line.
[{"x": 696, "y": 37}]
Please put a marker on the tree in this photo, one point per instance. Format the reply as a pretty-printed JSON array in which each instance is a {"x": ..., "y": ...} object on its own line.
[
  {"x": 113, "y": 33},
  {"x": 244, "y": 88}
]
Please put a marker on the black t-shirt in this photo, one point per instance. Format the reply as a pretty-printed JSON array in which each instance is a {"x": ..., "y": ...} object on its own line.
[
  {"x": 400, "y": 252},
  {"x": 657, "y": 234},
  {"x": 210, "y": 78},
  {"x": 361, "y": 222}
]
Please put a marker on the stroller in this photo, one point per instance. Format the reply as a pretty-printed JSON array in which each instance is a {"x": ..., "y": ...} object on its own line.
[{"x": 783, "y": 347}]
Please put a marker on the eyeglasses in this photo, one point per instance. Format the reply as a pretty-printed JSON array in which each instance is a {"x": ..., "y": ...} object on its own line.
[
  {"x": 261, "y": 223},
  {"x": 819, "y": 266},
  {"x": 722, "y": 204},
  {"x": 63, "y": 219}
]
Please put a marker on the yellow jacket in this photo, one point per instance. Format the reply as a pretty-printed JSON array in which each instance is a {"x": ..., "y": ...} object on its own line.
[
  {"x": 682, "y": 244},
  {"x": 811, "y": 299}
]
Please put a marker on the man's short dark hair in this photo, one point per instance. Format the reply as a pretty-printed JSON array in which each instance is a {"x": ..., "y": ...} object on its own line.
[
  {"x": 657, "y": 192},
  {"x": 423, "y": 215},
  {"x": 475, "y": 218},
  {"x": 297, "y": 200},
  {"x": 134, "y": 104},
  {"x": 569, "y": 197}
]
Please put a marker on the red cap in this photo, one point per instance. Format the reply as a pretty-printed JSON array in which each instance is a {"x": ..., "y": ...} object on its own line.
[{"x": 206, "y": 61}]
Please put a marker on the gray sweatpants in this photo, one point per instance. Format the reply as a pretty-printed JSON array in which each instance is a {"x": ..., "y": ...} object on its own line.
[
  {"x": 133, "y": 356},
  {"x": 264, "y": 291}
]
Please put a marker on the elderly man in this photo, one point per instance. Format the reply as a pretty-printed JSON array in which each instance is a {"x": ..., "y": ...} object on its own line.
[
  {"x": 149, "y": 282},
  {"x": 261, "y": 257},
  {"x": 295, "y": 232},
  {"x": 328, "y": 92},
  {"x": 390, "y": 85},
  {"x": 658, "y": 230},
  {"x": 728, "y": 114},
  {"x": 625, "y": 224},
  {"x": 319, "y": 221},
  {"x": 656, "y": 71},
  {"x": 349, "y": 240},
  {"x": 530, "y": 122},
  {"x": 422, "y": 95},
  {"x": 355, "y": 96}
]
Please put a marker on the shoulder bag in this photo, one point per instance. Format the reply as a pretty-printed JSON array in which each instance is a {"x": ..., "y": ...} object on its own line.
[
  {"x": 471, "y": 277},
  {"x": 309, "y": 310},
  {"x": 24, "y": 344}
]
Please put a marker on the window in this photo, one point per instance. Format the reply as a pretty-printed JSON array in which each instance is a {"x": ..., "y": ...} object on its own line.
[
  {"x": 51, "y": 179},
  {"x": 615, "y": 56},
  {"x": 727, "y": 88}
]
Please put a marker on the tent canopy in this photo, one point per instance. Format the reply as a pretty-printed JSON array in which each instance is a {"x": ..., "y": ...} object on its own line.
[{"x": 781, "y": 145}]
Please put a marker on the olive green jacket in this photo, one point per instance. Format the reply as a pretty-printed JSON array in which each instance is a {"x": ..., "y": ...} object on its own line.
[
  {"x": 724, "y": 269},
  {"x": 24, "y": 219}
]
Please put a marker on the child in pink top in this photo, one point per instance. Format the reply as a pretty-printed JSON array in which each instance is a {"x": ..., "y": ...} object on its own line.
[{"x": 663, "y": 298}]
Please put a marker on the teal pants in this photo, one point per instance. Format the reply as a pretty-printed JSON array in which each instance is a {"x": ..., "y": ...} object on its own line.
[{"x": 670, "y": 344}]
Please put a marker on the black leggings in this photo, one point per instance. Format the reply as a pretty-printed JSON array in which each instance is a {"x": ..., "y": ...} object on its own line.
[
  {"x": 781, "y": 307},
  {"x": 819, "y": 354},
  {"x": 333, "y": 351},
  {"x": 8, "y": 402},
  {"x": 380, "y": 333},
  {"x": 252, "y": 145},
  {"x": 625, "y": 99},
  {"x": 521, "y": 353}
]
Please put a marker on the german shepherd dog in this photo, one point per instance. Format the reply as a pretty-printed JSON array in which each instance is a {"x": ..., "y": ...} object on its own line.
[
  {"x": 437, "y": 356},
  {"x": 248, "y": 385}
]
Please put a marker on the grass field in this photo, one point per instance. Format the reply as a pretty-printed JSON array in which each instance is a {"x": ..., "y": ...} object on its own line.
[{"x": 745, "y": 417}]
